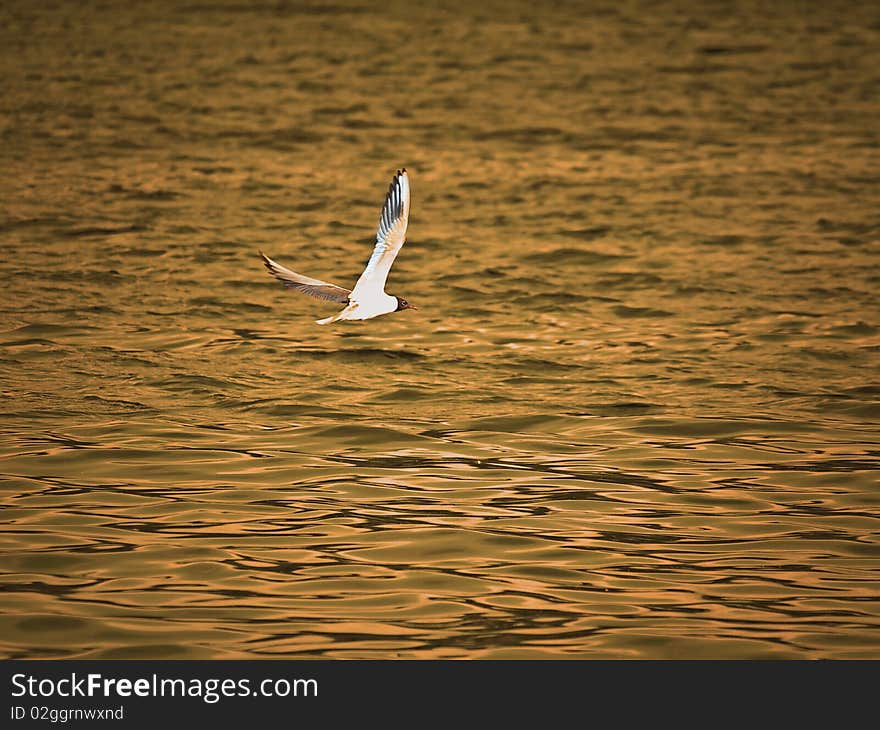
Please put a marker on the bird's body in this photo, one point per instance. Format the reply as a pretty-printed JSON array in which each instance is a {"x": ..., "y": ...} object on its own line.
[
  {"x": 377, "y": 304},
  {"x": 368, "y": 298}
]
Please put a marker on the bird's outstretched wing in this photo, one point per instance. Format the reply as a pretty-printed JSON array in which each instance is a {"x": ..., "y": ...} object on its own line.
[
  {"x": 389, "y": 238},
  {"x": 314, "y": 287}
]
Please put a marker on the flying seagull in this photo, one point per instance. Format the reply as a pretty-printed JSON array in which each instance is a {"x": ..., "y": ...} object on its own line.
[{"x": 368, "y": 298}]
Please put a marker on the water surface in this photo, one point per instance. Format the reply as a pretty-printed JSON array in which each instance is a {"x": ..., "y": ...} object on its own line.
[{"x": 636, "y": 415}]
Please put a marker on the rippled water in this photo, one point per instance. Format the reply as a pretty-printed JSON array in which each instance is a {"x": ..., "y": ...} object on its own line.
[{"x": 636, "y": 415}]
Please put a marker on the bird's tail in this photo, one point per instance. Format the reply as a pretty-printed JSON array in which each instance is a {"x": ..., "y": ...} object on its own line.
[
  {"x": 328, "y": 320},
  {"x": 339, "y": 315}
]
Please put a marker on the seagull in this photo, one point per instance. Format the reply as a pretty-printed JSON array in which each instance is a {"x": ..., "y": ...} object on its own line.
[{"x": 368, "y": 298}]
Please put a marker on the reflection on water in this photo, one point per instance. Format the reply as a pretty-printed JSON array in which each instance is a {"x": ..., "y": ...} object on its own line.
[{"x": 637, "y": 413}]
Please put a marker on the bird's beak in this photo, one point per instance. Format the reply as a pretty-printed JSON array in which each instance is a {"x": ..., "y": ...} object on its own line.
[{"x": 410, "y": 306}]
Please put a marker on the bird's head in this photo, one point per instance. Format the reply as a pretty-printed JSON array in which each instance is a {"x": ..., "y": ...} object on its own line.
[{"x": 403, "y": 304}]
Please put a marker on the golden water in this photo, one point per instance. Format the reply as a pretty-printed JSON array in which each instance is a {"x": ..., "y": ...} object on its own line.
[{"x": 636, "y": 414}]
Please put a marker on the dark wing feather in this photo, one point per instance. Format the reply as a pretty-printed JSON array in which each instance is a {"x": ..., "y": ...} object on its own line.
[{"x": 314, "y": 287}]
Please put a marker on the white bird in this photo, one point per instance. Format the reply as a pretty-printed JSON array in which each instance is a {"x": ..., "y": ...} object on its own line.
[{"x": 368, "y": 298}]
